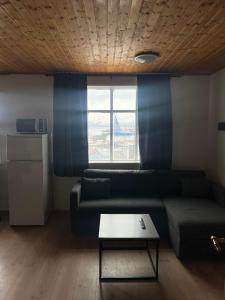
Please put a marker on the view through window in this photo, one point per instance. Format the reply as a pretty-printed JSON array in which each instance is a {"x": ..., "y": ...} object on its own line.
[{"x": 112, "y": 124}]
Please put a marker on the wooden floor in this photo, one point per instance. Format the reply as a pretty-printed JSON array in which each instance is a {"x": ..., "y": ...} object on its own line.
[{"x": 49, "y": 263}]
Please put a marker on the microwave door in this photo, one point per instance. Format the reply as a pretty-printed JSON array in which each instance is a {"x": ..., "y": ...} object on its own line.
[{"x": 26, "y": 125}]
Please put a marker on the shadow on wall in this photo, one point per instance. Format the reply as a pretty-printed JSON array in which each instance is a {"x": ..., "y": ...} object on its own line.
[
  {"x": 61, "y": 191},
  {"x": 3, "y": 174},
  {"x": 3, "y": 187}
]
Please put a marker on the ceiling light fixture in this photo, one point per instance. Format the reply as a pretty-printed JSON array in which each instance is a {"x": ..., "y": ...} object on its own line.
[{"x": 146, "y": 57}]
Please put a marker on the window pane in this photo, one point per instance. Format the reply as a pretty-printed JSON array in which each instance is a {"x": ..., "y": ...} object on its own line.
[
  {"x": 124, "y": 136},
  {"x": 99, "y": 136},
  {"x": 124, "y": 99},
  {"x": 98, "y": 99}
]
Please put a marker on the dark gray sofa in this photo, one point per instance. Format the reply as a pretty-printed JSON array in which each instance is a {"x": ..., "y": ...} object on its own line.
[
  {"x": 187, "y": 221},
  {"x": 191, "y": 223},
  {"x": 131, "y": 192}
]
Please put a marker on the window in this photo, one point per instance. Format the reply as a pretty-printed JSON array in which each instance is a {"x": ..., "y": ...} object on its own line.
[{"x": 112, "y": 124}]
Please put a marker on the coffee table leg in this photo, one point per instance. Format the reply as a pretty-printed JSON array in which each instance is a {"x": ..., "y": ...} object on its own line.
[
  {"x": 155, "y": 265},
  {"x": 157, "y": 260},
  {"x": 100, "y": 260},
  {"x": 146, "y": 244}
]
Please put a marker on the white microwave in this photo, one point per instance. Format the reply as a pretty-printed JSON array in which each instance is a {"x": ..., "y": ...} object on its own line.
[{"x": 31, "y": 126}]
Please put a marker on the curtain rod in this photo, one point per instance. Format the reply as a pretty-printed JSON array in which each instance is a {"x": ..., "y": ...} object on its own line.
[
  {"x": 113, "y": 74},
  {"x": 133, "y": 74}
]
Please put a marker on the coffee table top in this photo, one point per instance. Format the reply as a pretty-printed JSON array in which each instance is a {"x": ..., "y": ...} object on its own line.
[{"x": 126, "y": 226}]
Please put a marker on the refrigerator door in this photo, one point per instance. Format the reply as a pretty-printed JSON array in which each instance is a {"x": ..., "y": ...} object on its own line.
[
  {"x": 26, "y": 205},
  {"x": 22, "y": 147}
]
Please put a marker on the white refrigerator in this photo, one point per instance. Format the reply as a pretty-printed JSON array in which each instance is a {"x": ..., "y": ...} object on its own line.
[{"x": 28, "y": 178}]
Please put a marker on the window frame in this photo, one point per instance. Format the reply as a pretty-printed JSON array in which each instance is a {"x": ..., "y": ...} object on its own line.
[{"x": 111, "y": 111}]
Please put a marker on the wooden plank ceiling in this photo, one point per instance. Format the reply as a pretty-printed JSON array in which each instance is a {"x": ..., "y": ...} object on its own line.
[{"x": 102, "y": 36}]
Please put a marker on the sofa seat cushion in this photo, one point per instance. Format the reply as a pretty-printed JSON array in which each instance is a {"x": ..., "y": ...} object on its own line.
[
  {"x": 195, "y": 218},
  {"x": 122, "y": 205}
]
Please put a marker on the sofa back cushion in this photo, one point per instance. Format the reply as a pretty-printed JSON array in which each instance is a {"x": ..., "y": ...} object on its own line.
[
  {"x": 170, "y": 181},
  {"x": 146, "y": 183},
  {"x": 95, "y": 188},
  {"x": 196, "y": 187},
  {"x": 128, "y": 182}
]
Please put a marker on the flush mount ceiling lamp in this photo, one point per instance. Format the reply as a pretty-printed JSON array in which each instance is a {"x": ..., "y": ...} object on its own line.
[{"x": 146, "y": 57}]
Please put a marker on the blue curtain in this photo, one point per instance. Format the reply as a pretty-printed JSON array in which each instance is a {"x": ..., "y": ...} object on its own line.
[
  {"x": 70, "y": 146},
  {"x": 155, "y": 121}
]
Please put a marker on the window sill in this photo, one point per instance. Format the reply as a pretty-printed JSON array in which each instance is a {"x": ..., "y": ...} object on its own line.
[{"x": 115, "y": 165}]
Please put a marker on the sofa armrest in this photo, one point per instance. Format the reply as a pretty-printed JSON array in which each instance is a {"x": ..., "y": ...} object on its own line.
[
  {"x": 75, "y": 196},
  {"x": 219, "y": 194}
]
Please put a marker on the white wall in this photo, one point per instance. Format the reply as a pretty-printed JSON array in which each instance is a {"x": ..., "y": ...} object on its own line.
[
  {"x": 217, "y": 138},
  {"x": 32, "y": 96},
  {"x": 190, "y": 105},
  {"x": 22, "y": 96},
  {"x": 62, "y": 187}
]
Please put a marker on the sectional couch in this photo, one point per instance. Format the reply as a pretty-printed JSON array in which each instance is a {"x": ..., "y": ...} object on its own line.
[{"x": 184, "y": 205}]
